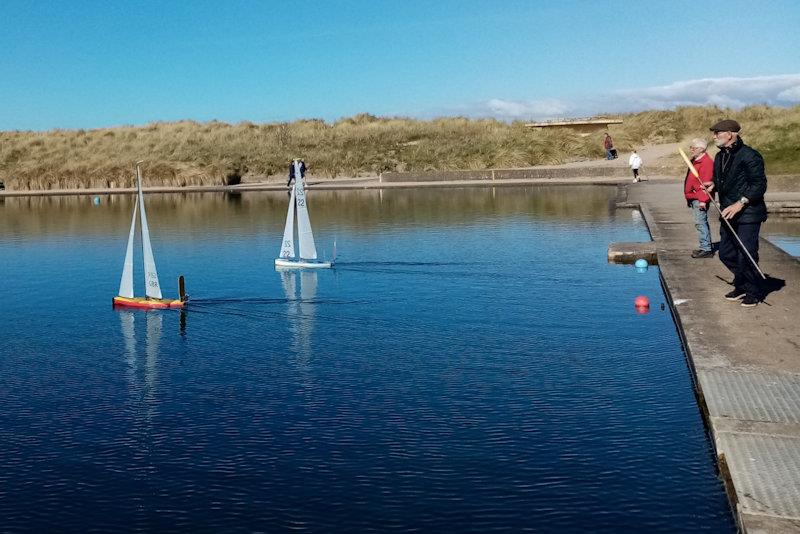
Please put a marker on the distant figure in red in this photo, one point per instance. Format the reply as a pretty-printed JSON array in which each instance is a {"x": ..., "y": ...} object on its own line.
[{"x": 608, "y": 145}]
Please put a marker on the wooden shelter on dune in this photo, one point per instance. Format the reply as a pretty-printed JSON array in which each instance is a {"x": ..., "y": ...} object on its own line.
[{"x": 582, "y": 127}]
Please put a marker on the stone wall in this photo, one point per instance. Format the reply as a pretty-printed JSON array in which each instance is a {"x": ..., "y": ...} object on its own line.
[{"x": 532, "y": 173}]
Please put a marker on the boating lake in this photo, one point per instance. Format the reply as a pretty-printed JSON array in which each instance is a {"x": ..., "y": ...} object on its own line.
[{"x": 471, "y": 364}]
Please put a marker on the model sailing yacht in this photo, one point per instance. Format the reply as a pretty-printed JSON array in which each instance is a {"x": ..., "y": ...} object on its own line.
[
  {"x": 152, "y": 298},
  {"x": 307, "y": 257}
]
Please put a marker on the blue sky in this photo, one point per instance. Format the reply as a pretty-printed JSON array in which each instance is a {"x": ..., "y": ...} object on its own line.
[{"x": 91, "y": 64}]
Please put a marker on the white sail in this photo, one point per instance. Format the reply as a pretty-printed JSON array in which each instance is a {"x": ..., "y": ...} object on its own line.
[
  {"x": 306, "y": 237},
  {"x": 152, "y": 287},
  {"x": 126, "y": 283},
  {"x": 287, "y": 247}
]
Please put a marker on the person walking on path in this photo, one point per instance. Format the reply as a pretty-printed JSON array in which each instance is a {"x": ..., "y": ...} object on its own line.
[
  {"x": 696, "y": 198},
  {"x": 740, "y": 182},
  {"x": 291, "y": 170},
  {"x": 635, "y": 163},
  {"x": 608, "y": 145}
]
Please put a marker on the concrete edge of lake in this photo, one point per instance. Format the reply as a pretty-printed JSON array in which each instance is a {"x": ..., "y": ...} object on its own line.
[{"x": 745, "y": 361}]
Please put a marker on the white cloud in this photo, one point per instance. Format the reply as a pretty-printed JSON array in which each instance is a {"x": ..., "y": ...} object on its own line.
[
  {"x": 511, "y": 109},
  {"x": 504, "y": 109},
  {"x": 731, "y": 92},
  {"x": 790, "y": 95},
  {"x": 724, "y": 92},
  {"x": 724, "y": 101}
]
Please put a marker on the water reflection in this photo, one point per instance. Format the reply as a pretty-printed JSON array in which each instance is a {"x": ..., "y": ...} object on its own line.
[
  {"x": 183, "y": 323},
  {"x": 233, "y": 197},
  {"x": 142, "y": 374},
  {"x": 784, "y": 232},
  {"x": 300, "y": 311},
  {"x": 782, "y": 226},
  {"x": 201, "y": 213}
]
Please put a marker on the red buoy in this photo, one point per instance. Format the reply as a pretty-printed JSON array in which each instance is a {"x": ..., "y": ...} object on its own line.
[{"x": 641, "y": 302}]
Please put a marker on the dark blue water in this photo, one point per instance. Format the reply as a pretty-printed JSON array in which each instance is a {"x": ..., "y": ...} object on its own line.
[{"x": 472, "y": 364}]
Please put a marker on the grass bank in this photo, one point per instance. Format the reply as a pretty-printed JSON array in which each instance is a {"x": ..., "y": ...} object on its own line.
[{"x": 191, "y": 153}]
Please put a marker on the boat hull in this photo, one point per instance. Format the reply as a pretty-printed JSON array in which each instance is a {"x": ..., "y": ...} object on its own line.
[
  {"x": 285, "y": 263},
  {"x": 148, "y": 303}
]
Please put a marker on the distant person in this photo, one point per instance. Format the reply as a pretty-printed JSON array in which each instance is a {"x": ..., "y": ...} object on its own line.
[
  {"x": 608, "y": 145},
  {"x": 635, "y": 163},
  {"x": 696, "y": 198},
  {"x": 740, "y": 182},
  {"x": 291, "y": 170}
]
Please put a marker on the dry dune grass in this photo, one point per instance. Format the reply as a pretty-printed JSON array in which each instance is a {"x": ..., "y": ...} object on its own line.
[{"x": 191, "y": 153}]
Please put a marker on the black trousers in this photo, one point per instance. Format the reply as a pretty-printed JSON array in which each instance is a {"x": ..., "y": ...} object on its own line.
[{"x": 745, "y": 276}]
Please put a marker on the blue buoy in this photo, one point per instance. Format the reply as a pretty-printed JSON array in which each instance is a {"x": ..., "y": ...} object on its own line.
[
  {"x": 641, "y": 265},
  {"x": 96, "y": 201}
]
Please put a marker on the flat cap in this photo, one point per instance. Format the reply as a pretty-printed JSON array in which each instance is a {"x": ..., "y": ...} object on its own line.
[{"x": 728, "y": 125}]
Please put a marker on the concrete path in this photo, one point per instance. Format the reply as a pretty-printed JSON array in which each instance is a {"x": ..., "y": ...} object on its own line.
[
  {"x": 746, "y": 361},
  {"x": 652, "y": 156}
]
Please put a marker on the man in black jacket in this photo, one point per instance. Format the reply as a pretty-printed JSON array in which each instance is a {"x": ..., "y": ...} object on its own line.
[{"x": 740, "y": 182}]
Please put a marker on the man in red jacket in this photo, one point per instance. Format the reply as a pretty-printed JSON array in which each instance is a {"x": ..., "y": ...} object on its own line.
[{"x": 696, "y": 198}]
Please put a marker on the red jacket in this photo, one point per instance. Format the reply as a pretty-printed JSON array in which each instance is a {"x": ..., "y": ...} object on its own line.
[{"x": 691, "y": 187}]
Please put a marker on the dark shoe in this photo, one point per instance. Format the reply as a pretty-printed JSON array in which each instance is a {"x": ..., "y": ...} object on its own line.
[
  {"x": 749, "y": 301},
  {"x": 702, "y": 254},
  {"x": 736, "y": 294}
]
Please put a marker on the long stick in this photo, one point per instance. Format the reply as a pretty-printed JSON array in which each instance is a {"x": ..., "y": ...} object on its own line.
[{"x": 697, "y": 175}]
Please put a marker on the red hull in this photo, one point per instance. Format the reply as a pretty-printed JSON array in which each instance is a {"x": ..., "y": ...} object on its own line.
[{"x": 146, "y": 303}]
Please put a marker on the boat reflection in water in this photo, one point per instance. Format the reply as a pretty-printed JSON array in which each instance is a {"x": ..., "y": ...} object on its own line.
[
  {"x": 301, "y": 309},
  {"x": 142, "y": 373}
]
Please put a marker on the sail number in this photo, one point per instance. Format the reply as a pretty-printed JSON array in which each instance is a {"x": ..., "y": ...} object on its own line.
[{"x": 152, "y": 280}]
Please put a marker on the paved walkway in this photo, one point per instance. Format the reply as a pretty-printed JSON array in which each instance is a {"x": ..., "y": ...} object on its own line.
[
  {"x": 746, "y": 362},
  {"x": 653, "y": 156}
]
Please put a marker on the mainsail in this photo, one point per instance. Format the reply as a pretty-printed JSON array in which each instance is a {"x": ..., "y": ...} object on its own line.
[
  {"x": 126, "y": 283},
  {"x": 287, "y": 247},
  {"x": 152, "y": 287},
  {"x": 307, "y": 249}
]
